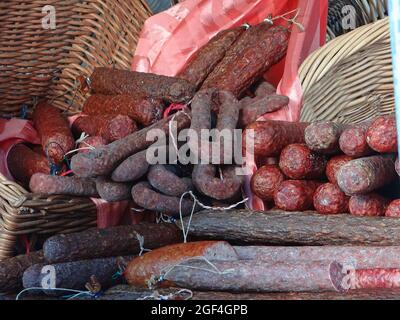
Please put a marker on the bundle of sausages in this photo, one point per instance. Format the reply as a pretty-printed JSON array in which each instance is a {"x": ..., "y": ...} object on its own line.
[{"x": 330, "y": 167}]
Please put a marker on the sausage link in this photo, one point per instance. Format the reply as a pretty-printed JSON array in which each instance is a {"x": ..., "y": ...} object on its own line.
[
  {"x": 368, "y": 205},
  {"x": 168, "y": 182},
  {"x": 131, "y": 169},
  {"x": 382, "y": 134},
  {"x": 92, "y": 142},
  {"x": 329, "y": 199},
  {"x": 334, "y": 165},
  {"x": 113, "y": 191},
  {"x": 393, "y": 209},
  {"x": 266, "y": 181},
  {"x": 353, "y": 141}
]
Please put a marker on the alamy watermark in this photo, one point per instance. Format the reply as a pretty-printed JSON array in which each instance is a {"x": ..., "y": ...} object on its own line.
[{"x": 49, "y": 19}]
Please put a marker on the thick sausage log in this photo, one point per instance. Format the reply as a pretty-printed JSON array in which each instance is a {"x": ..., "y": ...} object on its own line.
[
  {"x": 102, "y": 161},
  {"x": 249, "y": 58},
  {"x": 365, "y": 175},
  {"x": 115, "y": 241},
  {"x": 297, "y": 161},
  {"x": 110, "y": 127},
  {"x": 393, "y": 209},
  {"x": 368, "y": 205},
  {"x": 382, "y": 134},
  {"x": 353, "y": 141},
  {"x": 329, "y": 199},
  {"x": 131, "y": 169},
  {"x": 168, "y": 182},
  {"x": 147, "y": 198},
  {"x": 266, "y": 181},
  {"x": 208, "y": 56},
  {"x": 145, "y": 111},
  {"x": 75, "y": 275},
  {"x": 54, "y": 132},
  {"x": 323, "y": 137},
  {"x": 144, "y": 271},
  {"x": 53, "y": 185},
  {"x": 207, "y": 183},
  {"x": 117, "y": 82},
  {"x": 12, "y": 269},
  {"x": 334, "y": 165},
  {"x": 113, "y": 191},
  {"x": 23, "y": 163},
  {"x": 271, "y": 137},
  {"x": 277, "y": 227},
  {"x": 295, "y": 195}
]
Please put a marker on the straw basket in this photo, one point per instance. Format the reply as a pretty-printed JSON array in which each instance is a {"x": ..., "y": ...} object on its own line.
[
  {"x": 350, "y": 79},
  {"x": 37, "y": 61},
  {"x": 44, "y": 63}
]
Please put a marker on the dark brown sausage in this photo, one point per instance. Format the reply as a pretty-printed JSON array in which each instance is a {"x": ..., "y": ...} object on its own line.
[
  {"x": 125, "y": 82},
  {"x": 298, "y": 162},
  {"x": 145, "y": 111},
  {"x": 364, "y": 175},
  {"x": 113, "y": 191},
  {"x": 109, "y": 127},
  {"x": 353, "y": 141},
  {"x": 24, "y": 162},
  {"x": 393, "y": 209},
  {"x": 382, "y": 134},
  {"x": 334, "y": 165},
  {"x": 270, "y": 137},
  {"x": 54, "y": 132},
  {"x": 296, "y": 195},
  {"x": 266, "y": 181},
  {"x": 208, "y": 56},
  {"x": 329, "y": 199},
  {"x": 168, "y": 182},
  {"x": 368, "y": 205},
  {"x": 250, "y": 57},
  {"x": 323, "y": 137},
  {"x": 72, "y": 186},
  {"x": 131, "y": 169}
]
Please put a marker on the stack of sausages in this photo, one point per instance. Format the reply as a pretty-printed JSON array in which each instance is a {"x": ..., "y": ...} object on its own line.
[{"x": 330, "y": 167}]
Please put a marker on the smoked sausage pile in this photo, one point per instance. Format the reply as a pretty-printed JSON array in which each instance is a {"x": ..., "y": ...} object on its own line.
[{"x": 328, "y": 167}]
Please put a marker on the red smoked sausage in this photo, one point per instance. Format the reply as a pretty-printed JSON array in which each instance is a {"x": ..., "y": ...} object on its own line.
[
  {"x": 368, "y": 205},
  {"x": 266, "y": 181},
  {"x": 329, "y": 199},
  {"x": 353, "y": 141},
  {"x": 334, "y": 165},
  {"x": 393, "y": 209},
  {"x": 382, "y": 134}
]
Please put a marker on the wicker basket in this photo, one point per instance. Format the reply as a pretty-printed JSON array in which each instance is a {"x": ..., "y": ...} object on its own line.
[
  {"x": 38, "y": 62},
  {"x": 350, "y": 79}
]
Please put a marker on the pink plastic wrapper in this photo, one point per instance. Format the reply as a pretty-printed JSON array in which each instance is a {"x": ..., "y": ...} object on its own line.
[{"x": 170, "y": 39}]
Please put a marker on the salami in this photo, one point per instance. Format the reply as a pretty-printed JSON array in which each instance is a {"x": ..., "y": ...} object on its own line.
[
  {"x": 368, "y": 205},
  {"x": 131, "y": 169},
  {"x": 205, "y": 181},
  {"x": 378, "y": 278},
  {"x": 113, "y": 191},
  {"x": 249, "y": 58},
  {"x": 271, "y": 137},
  {"x": 145, "y": 111},
  {"x": 124, "y": 82},
  {"x": 109, "y": 127},
  {"x": 323, "y": 137},
  {"x": 334, "y": 165},
  {"x": 353, "y": 141},
  {"x": 23, "y": 163},
  {"x": 295, "y": 195},
  {"x": 297, "y": 162},
  {"x": 54, "y": 132},
  {"x": 382, "y": 134},
  {"x": 208, "y": 56},
  {"x": 71, "y": 186},
  {"x": 393, "y": 209},
  {"x": 168, "y": 182},
  {"x": 364, "y": 175},
  {"x": 329, "y": 199},
  {"x": 266, "y": 181}
]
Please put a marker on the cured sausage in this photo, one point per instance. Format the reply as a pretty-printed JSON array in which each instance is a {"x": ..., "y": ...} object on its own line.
[
  {"x": 125, "y": 82},
  {"x": 102, "y": 161},
  {"x": 271, "y": 137},
  {"x": 145, "y": 111},
  {"x": 353, "y": 141},
  {"x": 296, "y": 195},
  {"x": 329, "y": 199},
  {"x": 109, "y": 127},
  {"x": 297, "y": 162},
  {"x": 249, "y": 58},
  {"x": 53, "y": 185},
  {"x": 208, "y": 56},
  {"x": 149, "y": 199},
  {"x": 334, "y": 165},
  {"x": 113, "y": 191},
  {"x": 382, "y": 134},
  {"x": 205, "y": 181},
  {"x": 364, "y": 175},
  {"x": 323, "y": 137},
  {"x": 266, "y": 181},
  {"x": 24, "y": 162},
  {"x": 131, "y": 169},
  {"x": 368, "y": 205},
  {"x": 90, "y": 143},
  {"x": 168, "y": 182},
  {"x": 393, "y": 209},
  {"x": 54, "y": 132}
]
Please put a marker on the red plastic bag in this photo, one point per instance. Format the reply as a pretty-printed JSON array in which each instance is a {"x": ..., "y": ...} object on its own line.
[{"x": 169, "y": 40}]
